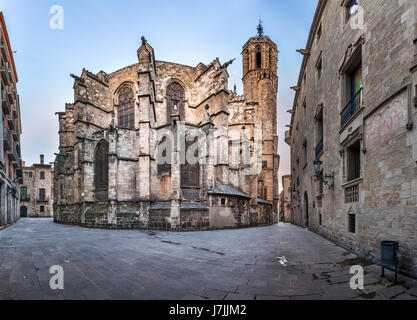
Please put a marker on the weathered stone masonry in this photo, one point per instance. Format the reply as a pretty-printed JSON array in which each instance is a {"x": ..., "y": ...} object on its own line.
[
  {"x": 354, "y": 111},
  {"x": 107, "y": 172}
]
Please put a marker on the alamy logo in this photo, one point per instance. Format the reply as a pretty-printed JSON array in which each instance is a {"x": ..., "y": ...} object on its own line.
[
  {"x": 57, "y": 20},
  {"x": 57, "y": 280},
  {"x": 357, "y": 281}
]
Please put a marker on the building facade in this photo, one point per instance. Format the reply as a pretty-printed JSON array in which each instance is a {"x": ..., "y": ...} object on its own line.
[
  {"x": 126, "y": 141},
  {"x": 10, "y": 131},
  {"x": 355, "y": 111},
  {"x": 285, "y": 198},
  {"x": 36, "y": 190}
]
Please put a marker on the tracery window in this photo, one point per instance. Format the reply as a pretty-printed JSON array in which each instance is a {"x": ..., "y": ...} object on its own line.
[
  {"x": 175, "y": 99},
  {"x": 127, "y": 108}
]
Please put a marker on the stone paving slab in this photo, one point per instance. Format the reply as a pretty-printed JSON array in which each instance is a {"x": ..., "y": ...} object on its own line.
[{"x": 279, "y": 262}]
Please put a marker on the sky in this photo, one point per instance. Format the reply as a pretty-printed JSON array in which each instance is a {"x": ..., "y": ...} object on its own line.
[{"x": 105, "y": 35}]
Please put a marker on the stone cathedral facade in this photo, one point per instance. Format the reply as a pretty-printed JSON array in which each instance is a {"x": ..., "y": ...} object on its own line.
[{"x": 109, "y": 172}]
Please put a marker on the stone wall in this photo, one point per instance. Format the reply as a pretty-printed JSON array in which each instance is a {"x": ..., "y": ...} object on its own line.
[
  {"x": 138, "y": 194},
  {"x": 33, "y": 183},
  {"x": 384, "y": 200}
]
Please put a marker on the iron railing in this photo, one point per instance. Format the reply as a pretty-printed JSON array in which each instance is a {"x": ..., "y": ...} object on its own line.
[
  {"x": 7, "y": 139},
  {"x": 351, "y": 108},
  {"x": 319, "y": 148}
]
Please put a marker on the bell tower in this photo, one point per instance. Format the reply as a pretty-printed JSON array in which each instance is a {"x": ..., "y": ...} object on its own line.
[{"x": 260, "y": 82}]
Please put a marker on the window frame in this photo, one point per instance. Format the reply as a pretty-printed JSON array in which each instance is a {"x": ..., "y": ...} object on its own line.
[
  {"x": 352, "y": 223},
  {"x": 42, "y": 195},
  {"x": 319, "y": 66},
  {"x": 126, "y": 107}
]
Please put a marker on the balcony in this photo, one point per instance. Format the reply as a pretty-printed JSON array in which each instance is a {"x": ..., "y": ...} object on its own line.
[
  {"x": 16, "y": 158},
  {"x": 4, "y": 51},
  {"x": 42, "y": 199},
  {"x": 351, "y": 108},
  {"x": 351, "y": 190},
  {"x": 24, "y": 198},
  {"x": 15, "y": 134},
  {"x": 5, "y": 102},
  {"x": 7, "y": 138},
  {"x": 3, "y": 73},
  {"x": 10, "y": 93},
  {"x": 10, "y": 121},
  {"x": 14, "y": 109},
  {"x": 319, "y": 149}
]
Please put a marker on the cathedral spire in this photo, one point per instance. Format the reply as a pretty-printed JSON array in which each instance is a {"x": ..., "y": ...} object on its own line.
[{"x": 260, "y": 29}]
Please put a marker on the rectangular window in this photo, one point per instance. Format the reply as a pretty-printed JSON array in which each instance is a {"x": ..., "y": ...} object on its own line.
[
  {"x": 305, "y": 107},
  {"x": 264, "y": 164},
  {"x": 353, "y": 90},
  {"x": 23, "y": 193},
  {"x": 352, "y": 223},
  {"x": 42, "y": 209},
  {"x": 305, "y": 151},
  {"x": 42, "y": 194},
  {"x": 320, "y": 135},
  {"x": 319, "y": 32},
  {"x": 223, "y": 201},
  {"x": 354, "y": 161},
  {"x": 319, "y": 68},
  {"x": 42, "y": 175},
  {"x": 320, "y": 219},
  {"x": 30, "y": 174}
]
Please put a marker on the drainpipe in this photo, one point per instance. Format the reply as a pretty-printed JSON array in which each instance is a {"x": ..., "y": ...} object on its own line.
[{"x": 409, "y": 113}]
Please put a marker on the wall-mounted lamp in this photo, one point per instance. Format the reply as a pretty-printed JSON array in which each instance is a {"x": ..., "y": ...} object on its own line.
[{"x": 327, "y": 179}]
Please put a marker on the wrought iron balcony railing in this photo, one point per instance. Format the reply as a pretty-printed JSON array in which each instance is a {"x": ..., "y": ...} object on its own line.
[
  {"x": 351, "y": 108},
  {"x": 7, "y": 139},
  {"x": 319, "y": 149},
  {"x": 5, "y": 102}
]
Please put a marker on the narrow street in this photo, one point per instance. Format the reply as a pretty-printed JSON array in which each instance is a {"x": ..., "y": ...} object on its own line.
[{"x": 276, "y": 262}]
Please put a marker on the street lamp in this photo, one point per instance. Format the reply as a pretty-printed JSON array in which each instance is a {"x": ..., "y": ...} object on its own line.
[{"x": 327, "y": 179}]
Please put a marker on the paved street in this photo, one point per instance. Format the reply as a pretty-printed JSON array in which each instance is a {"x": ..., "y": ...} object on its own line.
[{"x": 275, "y": 262}]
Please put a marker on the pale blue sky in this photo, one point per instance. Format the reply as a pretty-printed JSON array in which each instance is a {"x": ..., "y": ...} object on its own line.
[{"x": 105, "y": 34}]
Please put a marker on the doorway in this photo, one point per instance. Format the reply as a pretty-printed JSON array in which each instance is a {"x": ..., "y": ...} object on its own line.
[
  {"x": 23, "y": 212},
  {"x": 306, "y": 210}
]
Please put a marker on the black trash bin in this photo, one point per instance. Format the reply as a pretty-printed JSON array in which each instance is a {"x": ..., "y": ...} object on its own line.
[{"x": 389, "y": 255}]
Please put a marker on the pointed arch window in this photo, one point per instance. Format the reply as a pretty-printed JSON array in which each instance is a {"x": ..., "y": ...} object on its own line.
[
  {"x": 259, "y": 58},
  {"x": 126, "y": 108},
  {"x": 270, "y": 59},
  {"x": 102, "y": 171},
  {"x": 175, "y": 100}
]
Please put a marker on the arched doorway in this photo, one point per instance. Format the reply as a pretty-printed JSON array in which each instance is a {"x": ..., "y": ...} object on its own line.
[
  {"x": 23, "y": 212},
  {"x": 306, "y": 213}
]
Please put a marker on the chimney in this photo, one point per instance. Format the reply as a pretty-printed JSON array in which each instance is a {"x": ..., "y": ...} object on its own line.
[{"x": 42, "y": 159}]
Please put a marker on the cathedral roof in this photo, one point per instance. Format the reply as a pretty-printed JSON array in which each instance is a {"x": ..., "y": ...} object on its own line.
[{"x": 227, "y": 190}]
